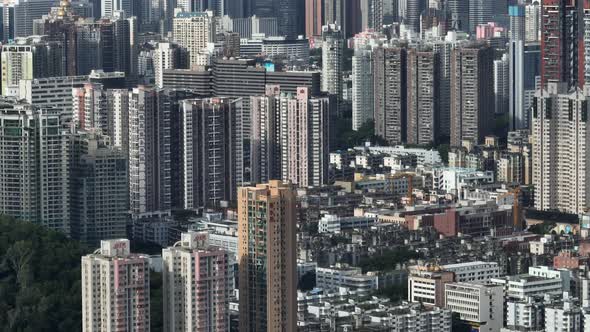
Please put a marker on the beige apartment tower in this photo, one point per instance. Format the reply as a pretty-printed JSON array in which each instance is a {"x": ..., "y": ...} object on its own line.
[{"x": 267, "y": 258}]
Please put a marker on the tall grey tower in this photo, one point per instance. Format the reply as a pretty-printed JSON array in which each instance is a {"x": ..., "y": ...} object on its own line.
[
  {"x": 414, "y": 10},
  {"x": 332, "y": 53},
  {"x": 518, "y": 117}
]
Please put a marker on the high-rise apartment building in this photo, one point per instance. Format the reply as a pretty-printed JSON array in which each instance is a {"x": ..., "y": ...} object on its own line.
[
  {"x": 90, "y": 108},
  {"x": 99, "y": 191},
  {"x": 209, "y": 152},
  {"x": 265, "y": 147},
  {"x": 51, "y": 91},
  {"x": 561, "y": 43},
  {"x": 362, "y": 87},
  {"x": 444, "y": 49},
  {"x": 501, "y": 77},
  {"x": 26, "y": 11},
  {"x": 304, "y": 138},
  {"x": 196, "y": 285},
  {"x": 17, "y": 64},
  {"x": 118, "y": 118},
  {"x": 110, "y": 7},
  {"x": 472, "y": 99},
  {"x": 34, "y": 168},
  {"x": 422, "y": 96},
  {"x": 314, "y": 18},
  {"x": 560, "y": 151},
  {"x": 480, "y": 12},
  {"x": 533, "y": 21},
  {"x": 146, "y": 192},
  {"x": 459, "y": 10},
  {"x": 115, "y": 289},
  {"x": 168, "y": 56},
  {"x": 516, "y": 47},
  {"x": 414, "y": 9},
  {"x": 332, "y": 60},
  {"x": 194, "y": 31},
  {"x": 267, "y": 257},
  {"x": 389, "y": 74}
]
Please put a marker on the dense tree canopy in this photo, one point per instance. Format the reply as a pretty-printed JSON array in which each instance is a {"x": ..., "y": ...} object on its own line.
[{"x": 39, "y": 279}]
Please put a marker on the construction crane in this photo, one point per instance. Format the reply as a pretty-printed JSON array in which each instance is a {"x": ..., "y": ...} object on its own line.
[
  {"x": 410, "y": 178},
  {"x": 515, "y": 206}
]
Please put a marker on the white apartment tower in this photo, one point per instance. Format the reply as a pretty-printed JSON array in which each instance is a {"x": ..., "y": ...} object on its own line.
[
  {"x": 194, "y": 31},
  {"x": 196, "y": 286},
  {"x": 560, "y": 156},
  {"x": 166, "y": 56},
  {"x": 115, "y": 289},
  {"x": 17, "y": 64},
  {"x": 533, "y": 21},
  {"x": 118, "y": 115}
]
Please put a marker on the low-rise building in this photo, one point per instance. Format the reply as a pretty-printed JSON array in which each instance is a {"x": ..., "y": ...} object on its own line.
[
  {"x": 334, "y": 224},
  {"x": 426, "y": 284},
  {"x": 480, "y": 306},
  {"x": 525, "y": 314},
  {"x": 474, "y": 271},
  {"x": 341, "y": 276}
]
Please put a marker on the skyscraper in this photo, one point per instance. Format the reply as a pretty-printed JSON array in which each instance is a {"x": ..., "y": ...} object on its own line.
[
  {"x": 501, "y": 84},
  {"x": 532, "y": 22},
  {"x": 314, "y": 18},
  {"x": 118, "y": 118},
  {"x": 459, "y": 10},
  {"x": 147, "y": 190},
  {"x": 208, "y": 144},
  {"x": 26, "y": 11},
  {"x": 332, "y": 60},
  {"x": 414, "y": 10},
  {"x": 115, "y": 289},
  {"x": 517, "y": 112},
  {"x": 422, "y": 96},
  {"x": 362, "y": 87},
  {"x": 90, "y": 108},
  {"x": 109, "y": 7},
  {"x": 99, "y": 195},
  {"x": 196, "y": 285},
  {"x": 560, "y": 47},
  {"x": 389, "y": 74},
  {"x": 287, "y": 16},
  {"x": 560, "y": 148},
  {"x": 267, "y": 258},
  {"x": 304, "y": 138},
  {"x": 194, "y": 31},
  {"x": 472, "y": 99},
  {"x": 168, "y": 56},
  {"x": 265, "y": 147},
  {"x": 480, "y": 12},
  {"x": 34, "y": 168}
]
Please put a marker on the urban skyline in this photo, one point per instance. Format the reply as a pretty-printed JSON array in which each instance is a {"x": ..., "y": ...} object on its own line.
[{"x": 295, "y": 165}]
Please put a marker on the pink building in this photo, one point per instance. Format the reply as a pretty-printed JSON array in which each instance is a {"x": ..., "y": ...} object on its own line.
[
  {"x": 115, "y": 289},
  {"x": 489, "y": 30},
  {"x": 196, "y": 285}
]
